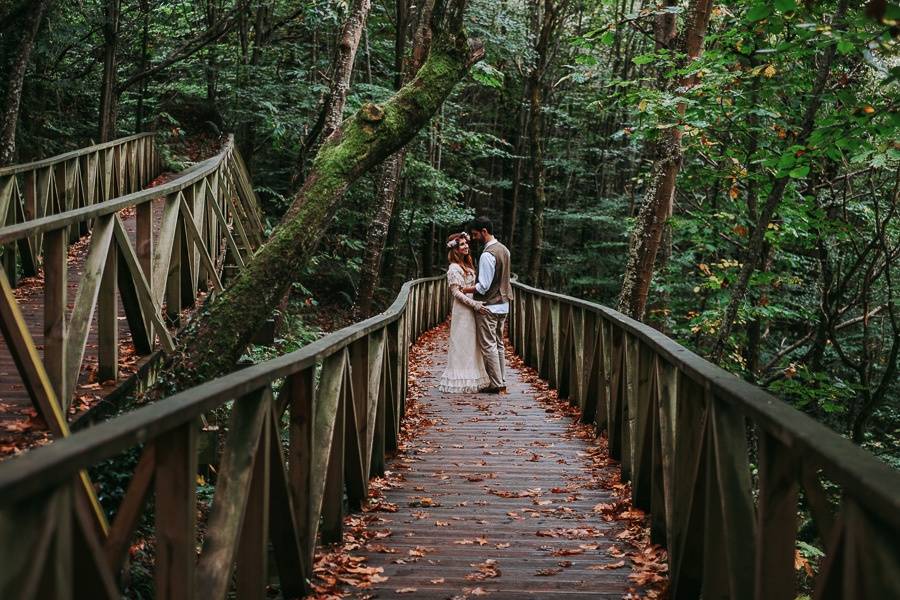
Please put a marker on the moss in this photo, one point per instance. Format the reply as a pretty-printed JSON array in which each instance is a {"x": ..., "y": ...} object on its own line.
[{"x": 214, "y": 342}]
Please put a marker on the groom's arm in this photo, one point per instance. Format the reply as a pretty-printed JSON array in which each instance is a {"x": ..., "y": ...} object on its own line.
[{"x": 486, "y": 265}]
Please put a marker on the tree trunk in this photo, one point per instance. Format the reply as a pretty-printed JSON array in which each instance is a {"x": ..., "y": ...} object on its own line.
[
  {"x": 385, "y": 193},
  {"x": 348, "y": 42},
  {"x": 109, "y": 94},
  {"x": 389, "y": 177},
  {"x": 145, "y": 59},
  {"x": 211, "y": 345},
  {"x": 16, "y": 80},
  {"x": 545, "y": 22},
  {"x": 660, "y": 193},
  {"x": 538, "y": 179},
  {"x": 773, "y": 200}
]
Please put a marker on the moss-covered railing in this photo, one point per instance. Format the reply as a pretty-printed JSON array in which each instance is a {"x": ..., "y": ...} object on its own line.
[
  {"x": 721, "y": 466},
  {"x": 67, "y": 182},
  {"x": 306, "y": 432}
]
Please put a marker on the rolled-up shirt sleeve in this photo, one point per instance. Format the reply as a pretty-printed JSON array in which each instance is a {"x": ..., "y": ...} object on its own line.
[{"x": 486, "y": 265}]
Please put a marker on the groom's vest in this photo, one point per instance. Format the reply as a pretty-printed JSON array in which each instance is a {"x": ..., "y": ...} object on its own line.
[{"x": 500, "y": 290}]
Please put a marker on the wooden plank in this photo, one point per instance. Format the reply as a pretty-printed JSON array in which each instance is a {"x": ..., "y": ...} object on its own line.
[
  {"x": 148, "y": 305},
  {"x": 327, "y": 492},
  {"x": 688, "y": 493},
  {"x": 28, "y": 364},
  {"x": 226, "y": 518},
  {"x": 667, "y": 385},
  {"x": 304, "y": 445},
  {"x": 253, "y": 550},
  {"x": 108, "y": 320},
  {"x": 196, "y": 237},
  {"x": 284, "y": 528},
  {"x": 55, "y": 301},
  {"x": 776, "y": 521},
  {"x": 165, "y": 243},
  {"x": 226, "y": 229},
  {"x": 375, "y": 447},
  {"x": 93, "y": 577},
  {"x": 130, "y": 509},
  {"x": 176, "y": 513},
  {"x": 27, "y": 532},
  {"x": 143, "y": 246},
  {"x": 361, "y": 403},
  {"x": 86, "y": 303}
]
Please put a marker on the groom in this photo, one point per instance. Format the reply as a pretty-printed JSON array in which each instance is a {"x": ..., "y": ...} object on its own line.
[{"x": 494, "y": 290}]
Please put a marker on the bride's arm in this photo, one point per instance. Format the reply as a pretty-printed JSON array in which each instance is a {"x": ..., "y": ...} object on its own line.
[{"x": 457, "y": 293}]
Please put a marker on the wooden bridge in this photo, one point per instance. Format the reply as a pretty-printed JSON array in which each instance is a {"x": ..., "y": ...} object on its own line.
[{"x": 720, "y": 467}]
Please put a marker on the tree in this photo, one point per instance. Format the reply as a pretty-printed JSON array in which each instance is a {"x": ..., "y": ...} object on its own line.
[
  {"x": 16, "y": 79},
  {"x": 214, "y": 341},
  {"x": 658, "y": 197},
  {"x": 388, "y": 178},
  {"x": 547, "y": 19}
]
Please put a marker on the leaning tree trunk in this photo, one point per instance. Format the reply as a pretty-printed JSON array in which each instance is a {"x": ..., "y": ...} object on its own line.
[
  {"x": 16, "y": 79},
  {"x": 388, "y": 179},
  {"x": 773, "y": 200},
  {"x": 213, "y": 342},
  {"x": 658, "y": 198}
]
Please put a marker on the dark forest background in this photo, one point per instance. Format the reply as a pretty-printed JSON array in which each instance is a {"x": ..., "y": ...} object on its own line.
[{"x": 771, "y": 157}]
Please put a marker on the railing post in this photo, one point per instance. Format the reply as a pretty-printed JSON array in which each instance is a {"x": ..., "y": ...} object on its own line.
[
  {"x": 302, "y": 448},
  {"x": 776, "y": 521},
  {"x": 108, "y": 319},
  {"x": 253, "y": 547},
  {"x": 55, "y": 301},
  {"x": 176, "y": 513}
]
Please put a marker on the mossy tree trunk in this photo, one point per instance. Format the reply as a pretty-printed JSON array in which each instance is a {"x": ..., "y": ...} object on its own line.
[
  {"x": 211, "y": 345},
  {"x": 388, "y": 179}
]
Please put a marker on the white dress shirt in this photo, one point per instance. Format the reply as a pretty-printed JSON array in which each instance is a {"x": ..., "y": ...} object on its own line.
[{"x": 487, "y": 264}]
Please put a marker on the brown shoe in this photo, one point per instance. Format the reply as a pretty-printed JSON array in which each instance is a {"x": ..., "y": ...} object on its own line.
[{"x": 492, "y": 389}]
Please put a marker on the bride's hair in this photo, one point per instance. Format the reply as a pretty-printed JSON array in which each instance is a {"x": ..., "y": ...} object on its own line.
[{"x": 455, "y": 256}]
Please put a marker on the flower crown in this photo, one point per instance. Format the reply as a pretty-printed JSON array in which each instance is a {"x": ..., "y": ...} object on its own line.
[{"x": 455, "y": 241}]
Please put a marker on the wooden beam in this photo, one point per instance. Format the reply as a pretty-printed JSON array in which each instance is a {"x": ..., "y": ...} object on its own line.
[
  {"x": 226, "y": 519},
  {"x": 176, "y": 513},
  {"x": 86, "y": 303}
]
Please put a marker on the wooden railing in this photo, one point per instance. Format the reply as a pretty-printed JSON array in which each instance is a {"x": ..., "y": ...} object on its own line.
[
  {"x": 718, "y": 463},
  {"x": 67, "y": 182},
  {"x": 344, "y": 395},
  {"x": 151, "y": 271}
]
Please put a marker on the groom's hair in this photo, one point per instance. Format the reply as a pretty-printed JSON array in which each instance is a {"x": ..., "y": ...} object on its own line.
[{"x": 479, "y": 223}]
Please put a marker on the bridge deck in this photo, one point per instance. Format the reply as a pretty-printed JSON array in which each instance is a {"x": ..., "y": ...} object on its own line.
[{"x": 498, "y": 495}]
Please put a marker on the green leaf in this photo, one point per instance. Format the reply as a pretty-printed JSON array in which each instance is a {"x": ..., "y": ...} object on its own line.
[
  {"x": 487, "y": 75},
  {"x": 643, "y": 59},
  {"x": 845, "y": 46},
  {"x": 799, "y": 172},
  {"x": 608, "y": 38},
  {"x": 758, "y": 12},
  {"x": 786, "y": 5}
]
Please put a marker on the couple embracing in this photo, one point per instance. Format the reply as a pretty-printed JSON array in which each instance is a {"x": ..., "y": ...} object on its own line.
[{"x": 475, "y": 360}]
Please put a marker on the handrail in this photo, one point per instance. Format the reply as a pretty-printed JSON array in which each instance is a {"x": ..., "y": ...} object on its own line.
[
  {"x": 182, "y": 181},
  {"x": 199, "y": 209},
  {"x": 679, "y": 424},
  {"x": 346, "y": 394},
  {"x": 52, "y": 160}
]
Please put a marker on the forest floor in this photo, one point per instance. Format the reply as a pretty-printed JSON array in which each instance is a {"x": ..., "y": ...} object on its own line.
[{"x": 502, "y": 496}]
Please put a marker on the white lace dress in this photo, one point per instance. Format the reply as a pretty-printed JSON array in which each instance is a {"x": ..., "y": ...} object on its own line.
[{"x": 465, "y": 367}]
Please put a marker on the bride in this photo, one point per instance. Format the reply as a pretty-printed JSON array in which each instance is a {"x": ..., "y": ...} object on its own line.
[{"x": 465, "y": 366}]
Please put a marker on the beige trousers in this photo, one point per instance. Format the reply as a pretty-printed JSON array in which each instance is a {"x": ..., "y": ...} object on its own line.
[{"x": 490, "y": 342}]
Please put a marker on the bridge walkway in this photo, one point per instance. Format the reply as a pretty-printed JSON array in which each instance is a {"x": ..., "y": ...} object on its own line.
[{"x": 498, "y": 495}]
